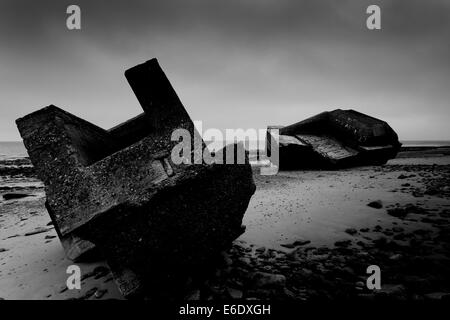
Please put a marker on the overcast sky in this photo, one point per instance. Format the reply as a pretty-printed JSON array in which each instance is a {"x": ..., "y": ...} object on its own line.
[{"x": 234, "y": 64}]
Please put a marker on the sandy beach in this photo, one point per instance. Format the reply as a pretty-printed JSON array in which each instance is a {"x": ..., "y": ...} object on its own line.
[{"x": 309, "y": 235}]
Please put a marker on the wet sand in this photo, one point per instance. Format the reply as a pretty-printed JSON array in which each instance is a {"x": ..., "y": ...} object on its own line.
[{"x": 310, "y": 235}]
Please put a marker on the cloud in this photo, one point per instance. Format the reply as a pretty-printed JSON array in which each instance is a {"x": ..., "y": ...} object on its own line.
[{"x": 254, "y": 62}]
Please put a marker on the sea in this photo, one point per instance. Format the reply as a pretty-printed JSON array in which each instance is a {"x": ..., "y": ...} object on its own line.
[{"x": 12, "y": 150}]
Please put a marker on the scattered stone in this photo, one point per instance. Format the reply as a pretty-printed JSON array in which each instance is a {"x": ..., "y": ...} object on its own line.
[
  {"x": 391, "y": 290},
  {"x": 268, "y": 280},
  {"x": 100, "y": 272},
  {"x": 397, "y": 212},
  {"x": 235, "y": 293},
  {"x": 438, "y": 296},
  {"x": 343, "y": 243},
  {"x": 395, "y": 257},
  {"x": 11, "y": 196},
  {"x": 295, "y": 244},
  {"x": 194, "y": 295},
  {"x": 37, "y": 230},
  {"x": 88, "y": 294},
  {"x": 226, "y": 258},
  {"x": 100, "y": 293},
  {"x": 351, "y": 231},
  {"x": 375, "y": 204}
]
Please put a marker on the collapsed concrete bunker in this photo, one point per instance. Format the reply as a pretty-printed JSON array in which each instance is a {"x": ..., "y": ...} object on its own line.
[
  {"x": 334, "y": 139},
  {"x": 118, "y": 190}
]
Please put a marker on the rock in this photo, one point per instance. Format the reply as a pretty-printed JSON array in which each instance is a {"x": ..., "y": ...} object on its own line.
[
  {"x": 260, "y": 249},
  {"x": 288, "y": 294},
  {"x": 295, "y": 244},
  {"x": 377, "y": 228},
  {"x": 245, "y": 261},
  {"x": 88, "y": 294},
  {"x": 395, "y": 257},
  {"x": 402, "y": 176},
  {"x": 235, "y": 293},
  {"x": 194, "y": 295},
  {"x": 375, "y": 204},
  {"x": 3, "y": 250},
  {"x": 343, "y": 243},
  {"x": 38, "y": 230},
  {"x": 397, "y": 212},
  {"x": 100, "y": 272},
  {"x": 351, "y": 231},
  {"x": 268, "y": 280},
  {"x": 226, "y": 258},
  {"x": 400, "y": 236},
  {"x": 437, "y": 296},
  {"x": 391, "y": 290},
  {"x": 100, "y": 293},
  {"x": 417, "y": 284},
  {"x": 406, "y": 185},
  {"x": 49, "y": 237},
  {"x": 11, "y": 196}
]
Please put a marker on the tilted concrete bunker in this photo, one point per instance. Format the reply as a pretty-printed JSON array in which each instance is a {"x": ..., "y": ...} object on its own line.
[
  {"x": 335, "y": 139},
  {"x": 119, "y": 190}
]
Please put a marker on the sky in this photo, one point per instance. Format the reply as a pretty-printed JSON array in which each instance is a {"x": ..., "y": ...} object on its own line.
[{"x": 234, "y": 64}]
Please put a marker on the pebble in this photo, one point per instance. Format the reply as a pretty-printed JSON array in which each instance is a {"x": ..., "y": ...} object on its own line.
[
  {"x": 100, "y": 293},
  {"x": 375, "y": 204},
  {"x": 268, "y": 280},
  {"x": 343, "y": 243},
  {"x": 235, "y": 293},
  {"x": 438, "y": 296},
  {"x": 351, "y": 231},
  {"x": 194, "y": 295}
]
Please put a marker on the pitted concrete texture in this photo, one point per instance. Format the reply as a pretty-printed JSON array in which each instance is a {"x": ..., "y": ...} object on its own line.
[{"x": 120, "y": 190}]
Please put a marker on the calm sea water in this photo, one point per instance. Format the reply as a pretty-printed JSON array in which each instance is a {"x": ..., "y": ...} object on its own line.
[
  {"x": 12, "y": 150},
  {"x": 16, "y": 149}
]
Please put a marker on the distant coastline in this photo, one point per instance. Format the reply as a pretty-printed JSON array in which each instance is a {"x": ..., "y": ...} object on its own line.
[{"x": 10, "y": 150}]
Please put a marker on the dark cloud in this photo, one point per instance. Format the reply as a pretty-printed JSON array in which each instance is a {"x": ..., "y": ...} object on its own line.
[{"x": 252, "y": 61}]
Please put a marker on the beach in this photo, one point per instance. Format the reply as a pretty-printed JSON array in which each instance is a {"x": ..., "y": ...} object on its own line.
[{"x": 309, "y": 235}]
